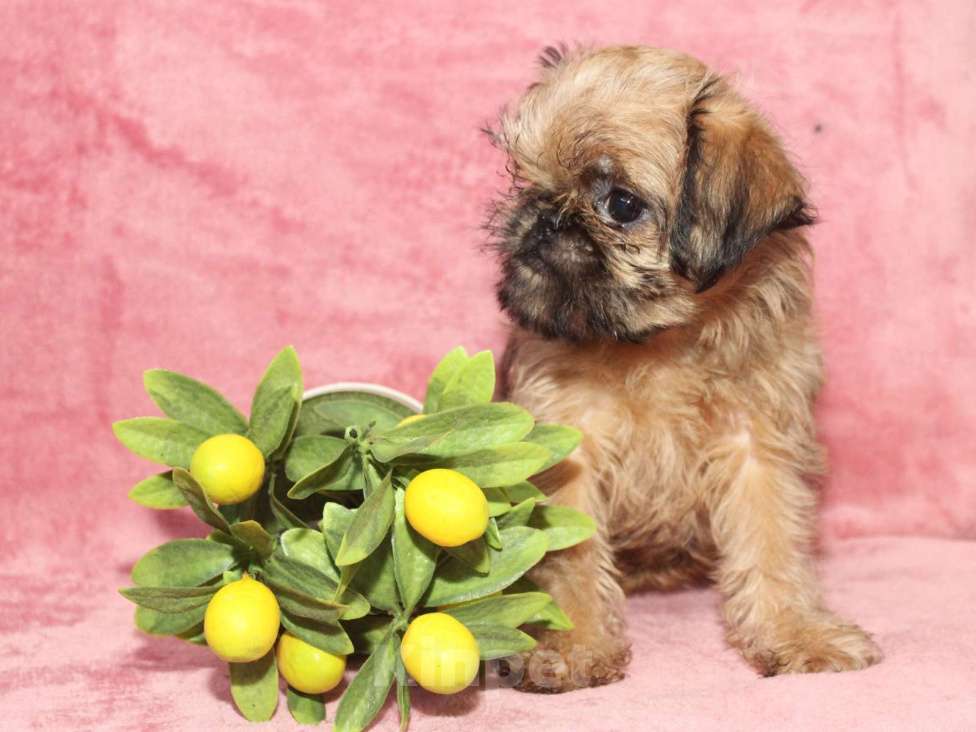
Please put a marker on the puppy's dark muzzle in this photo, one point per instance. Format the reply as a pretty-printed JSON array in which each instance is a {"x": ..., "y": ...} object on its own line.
[{"x": 559, "y": 245}]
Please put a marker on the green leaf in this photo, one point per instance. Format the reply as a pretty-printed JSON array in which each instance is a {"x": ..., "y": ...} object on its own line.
[
  {"x": 369, "y": 688},
  {"x": 371, "y": 475},
  {"x": 334, "y": 411},
  {"x": 498, "y": 501},
  {"x": 443, "y": 373},
  {"x": 231, "y": 511},
  {"x": 254, "y": 535},
  {"x": 157, "y": 492},
  {"x": 194, "y": 635},
  {"x": 374, "y": 576},
  {"x": 292, "y": 574},
  {"x": 347, "y": 574},
  {"x": 194, "y": 403},
  {"x": 377, "y": 582},
  {"x": 279, "y": 507},
  {"x": 474, "y": 554},
  {"x": 368, "y": 632},
  {"x": 269, "y": 426},
  {"x": 369, "y": 527},
  {"x": 492, "y": 536},
  {"x": 254, "y": 687},
  {"x": 222, "y": 537},
  {"x": 550, "y": 616},
  {"x": 414, "y": 559},
  {"x": 273, "y": 407},
  {"x": 289, "y": 431},
  {"x": 519, "y": 515},
  {"x": 564, "y": 526},
  {"x": 157, "y": 623},
  {"x": 472, "y": 383},
  {"x": 499, "y": 641},
  {"x": 298, "y": 575},
  {"x": 558, "y": 439},
  {"x": 403, "y": 694},
  {"x": 305, "y": 708},
  {"x": 183, "y": 563},
  {"x": 343, "y": 474},
  {"x": 202, "y": 506},
  {"x": 163, "y": 441},
  {"x": 170, "y": 599},
  {"x": 524, "y": 547},
  {"x": 309, "y": 453},
  {"x": 499, "y": 466},
  {"x": 520, "y": 491},
  {"x": 325, "y": 636},
  {"x": 336, "y": 519},
  {"x": 308, "y": 547},
  {"x": 375, "y": 579},
  {"x": 298, "y": 604},
  {"x": 508, "y": 610},
  {"x": 455, "y": 432}
]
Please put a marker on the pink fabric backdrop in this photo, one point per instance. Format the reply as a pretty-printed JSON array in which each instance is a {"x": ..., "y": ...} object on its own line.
[{"x": 192, "y": 185}]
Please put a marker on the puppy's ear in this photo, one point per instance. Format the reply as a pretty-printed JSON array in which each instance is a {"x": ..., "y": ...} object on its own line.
[{"x": 738, "y": 187}]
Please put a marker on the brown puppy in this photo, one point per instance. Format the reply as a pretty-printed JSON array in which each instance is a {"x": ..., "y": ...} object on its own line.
[{"x": 654, "y": 261}]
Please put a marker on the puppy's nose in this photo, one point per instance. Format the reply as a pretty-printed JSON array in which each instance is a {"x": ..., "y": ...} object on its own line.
[
  {"x": 553, "y": 221},
  {"x": 548, "y": 222},
  {"x": 560, "y": 243}
]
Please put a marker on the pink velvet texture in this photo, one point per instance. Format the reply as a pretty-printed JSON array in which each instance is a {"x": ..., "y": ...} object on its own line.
[{"x": 193, "y": 185}]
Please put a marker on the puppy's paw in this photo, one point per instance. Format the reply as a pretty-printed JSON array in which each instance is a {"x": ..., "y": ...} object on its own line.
[
  {"x": 561, "y": 664},
  {"x": 809, "y": 645}
]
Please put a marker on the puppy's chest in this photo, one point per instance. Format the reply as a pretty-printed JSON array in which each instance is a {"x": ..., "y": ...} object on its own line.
[
  {"x": 661, "y": 414},
  {"x": 670, "y": 423},
  {"x": 646, "y": 429}
]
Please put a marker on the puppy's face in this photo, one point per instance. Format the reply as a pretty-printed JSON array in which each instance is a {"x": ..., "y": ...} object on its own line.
[{"x": 639, "y": 179}]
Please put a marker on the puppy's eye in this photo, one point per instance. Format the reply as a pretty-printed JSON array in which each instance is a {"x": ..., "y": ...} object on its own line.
[{"x": 624, "y": 207}]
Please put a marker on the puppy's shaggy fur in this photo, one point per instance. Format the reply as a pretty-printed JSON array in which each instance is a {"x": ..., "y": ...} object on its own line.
[{"x": 654, "y": 262}]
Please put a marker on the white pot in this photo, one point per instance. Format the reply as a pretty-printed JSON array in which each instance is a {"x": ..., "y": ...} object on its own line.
[{"x": 377, "y": 389}]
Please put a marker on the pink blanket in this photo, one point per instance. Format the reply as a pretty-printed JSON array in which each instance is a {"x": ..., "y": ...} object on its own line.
[{"x": 193, "y": 185}]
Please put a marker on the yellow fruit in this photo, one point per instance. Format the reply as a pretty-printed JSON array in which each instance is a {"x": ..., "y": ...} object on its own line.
[
  {"x": 446, "y": 507},
  {"x": 229, "y": 468},
  {"x": 410, "y": 420},
  {"x": 308, "y": 668},
  {"x": 241, "y": 622},
  {"x": 440, "y": 653}
]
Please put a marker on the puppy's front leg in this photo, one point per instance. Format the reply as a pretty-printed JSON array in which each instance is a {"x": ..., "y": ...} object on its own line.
[
  {"x": 582, "y": 580},
  {"x": 762, "y": 522}
]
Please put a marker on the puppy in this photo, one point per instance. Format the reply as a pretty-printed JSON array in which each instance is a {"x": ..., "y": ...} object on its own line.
[{"x": 655, "y": 266}]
